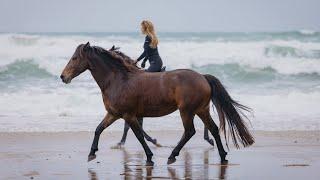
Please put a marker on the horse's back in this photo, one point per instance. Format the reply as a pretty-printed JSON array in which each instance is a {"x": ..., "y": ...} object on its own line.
[
  {"x": 187, "y": 77},
  {"x": 183, "y": 86}
]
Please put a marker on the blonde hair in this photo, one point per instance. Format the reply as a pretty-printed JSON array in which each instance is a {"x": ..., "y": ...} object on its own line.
[{"x": 148, "y": 29}]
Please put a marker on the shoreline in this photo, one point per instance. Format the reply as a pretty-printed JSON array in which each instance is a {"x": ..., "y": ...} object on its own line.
[{"x": 63, "y": 155}]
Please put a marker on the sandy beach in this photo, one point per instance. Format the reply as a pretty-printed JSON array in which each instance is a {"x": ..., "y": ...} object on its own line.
[
  {"x": 70, "y": 68},
  {"x": 63, "y": 155}
]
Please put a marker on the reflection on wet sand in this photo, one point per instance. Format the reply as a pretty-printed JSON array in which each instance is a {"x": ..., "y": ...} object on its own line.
[
  {"x": 223, "y": 167},
  {"x": 133, "y": 168},
  {"x": 206, "y": 164},
  {"x": 92, "y": 174},
  {"x": 204, "y": 168},
  {"x": 187, "y": 166}
]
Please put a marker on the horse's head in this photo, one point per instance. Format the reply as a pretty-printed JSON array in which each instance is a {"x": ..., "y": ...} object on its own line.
[{"x": 77, "y": 64}]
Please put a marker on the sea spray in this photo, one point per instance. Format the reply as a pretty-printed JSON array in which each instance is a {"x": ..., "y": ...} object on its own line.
[{"x": 276, "y": 74}]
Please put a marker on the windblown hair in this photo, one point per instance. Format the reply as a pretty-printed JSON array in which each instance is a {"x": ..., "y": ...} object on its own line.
[{"x": 148, "y": 29}]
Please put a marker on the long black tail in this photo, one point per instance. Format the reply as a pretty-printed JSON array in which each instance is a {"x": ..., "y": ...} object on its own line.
[{"x": 229, "y": 110}]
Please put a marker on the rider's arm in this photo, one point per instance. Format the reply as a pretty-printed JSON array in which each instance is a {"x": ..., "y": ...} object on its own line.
[
  {"x": 146, "y": 46},
  {"x": 142, "y": 55},
  {"x": 143, "y": 64}
]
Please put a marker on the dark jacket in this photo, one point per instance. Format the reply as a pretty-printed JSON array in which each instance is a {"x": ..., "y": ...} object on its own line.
[{"x": 152, "y": 55}]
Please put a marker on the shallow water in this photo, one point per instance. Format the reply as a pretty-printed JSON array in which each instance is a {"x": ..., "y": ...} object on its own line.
[{"x": 281, "y": 155}]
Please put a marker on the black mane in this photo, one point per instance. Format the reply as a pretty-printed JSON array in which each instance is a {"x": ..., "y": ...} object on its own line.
[
  {"x": 114, "y": 59},
  {"x": 124, "y": 56}
]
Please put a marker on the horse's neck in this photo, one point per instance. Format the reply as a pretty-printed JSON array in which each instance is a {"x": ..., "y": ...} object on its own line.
[{"x": 104, "y": 76}]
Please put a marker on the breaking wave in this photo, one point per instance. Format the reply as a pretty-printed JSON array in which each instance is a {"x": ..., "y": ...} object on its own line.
[{"x": 277, "y": 74}]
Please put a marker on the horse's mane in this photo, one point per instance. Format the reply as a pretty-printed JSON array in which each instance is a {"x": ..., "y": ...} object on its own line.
[
  {"x": 124, "y": 56},
  {"x": 115, "y": 59}
]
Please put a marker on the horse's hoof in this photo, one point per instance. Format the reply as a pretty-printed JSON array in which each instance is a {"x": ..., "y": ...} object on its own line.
[
  {"x": 224, "y": 162},
  {"x": 91, "y": 157},
  {"x": 171, "y": 160},
  {"x": 223, "y": 157},
  {"x": 154, "y": 141},
  {"x": 158, "y": 145},
  {"x": 149, "y": 163},
  {"x": 210, "y": 141},
  {"x": 118, "y": 146}
]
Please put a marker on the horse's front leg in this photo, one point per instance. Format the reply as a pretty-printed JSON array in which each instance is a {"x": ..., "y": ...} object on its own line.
[
  {"x": 137, "y": 130},
  {"x": 107, "y": 121}
]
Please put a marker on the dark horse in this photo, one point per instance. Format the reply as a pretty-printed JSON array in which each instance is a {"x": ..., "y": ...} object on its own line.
[
  {"x": 130, "y": 93},
  {"x": 140, "y": 120}
]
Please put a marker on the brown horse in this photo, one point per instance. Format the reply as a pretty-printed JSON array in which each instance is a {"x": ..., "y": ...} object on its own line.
[
  {"x": 129, "y": 93},
  {"x": 140, "y": 120}
]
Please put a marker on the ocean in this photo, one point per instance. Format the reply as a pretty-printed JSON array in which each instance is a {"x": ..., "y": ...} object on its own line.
[{"x": 277, "y": 74}]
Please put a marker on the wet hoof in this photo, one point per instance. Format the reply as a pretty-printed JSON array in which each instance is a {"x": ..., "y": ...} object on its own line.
[
  {"x": 120, "y": 143},
  {"x": 149, "y": 163},
  {"x": 210, "y": 141},
  {"x": 118, "y": 146},
  {"x": 224, "y": 162},
  {"x": 223, "y": 157},
  {"x": 171, "y": 160},
  {"x": 154, "y": 141},
  {"x": 91, "y": 157}
]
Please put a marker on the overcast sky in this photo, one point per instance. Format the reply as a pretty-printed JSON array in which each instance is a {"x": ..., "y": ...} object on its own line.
[{"x": 168, "y": 15}]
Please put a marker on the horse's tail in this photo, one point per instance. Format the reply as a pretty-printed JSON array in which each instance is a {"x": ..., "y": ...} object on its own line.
[{"x": 229, "y": 110}]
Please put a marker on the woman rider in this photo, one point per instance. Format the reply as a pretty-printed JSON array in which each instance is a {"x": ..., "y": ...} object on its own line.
[
  {"x": 150, "y": 48},
  {"x": 150, "y": 53}
]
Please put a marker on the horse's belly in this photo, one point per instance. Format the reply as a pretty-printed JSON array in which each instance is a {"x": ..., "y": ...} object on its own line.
[{"x": 157, "y": 110}]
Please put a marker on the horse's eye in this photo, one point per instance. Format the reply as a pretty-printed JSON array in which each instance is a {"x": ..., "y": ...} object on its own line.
[{"x": 74, "y": 58}]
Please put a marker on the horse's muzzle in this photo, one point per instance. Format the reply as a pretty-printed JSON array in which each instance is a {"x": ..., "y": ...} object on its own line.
[{"x": 64, "y": 79}]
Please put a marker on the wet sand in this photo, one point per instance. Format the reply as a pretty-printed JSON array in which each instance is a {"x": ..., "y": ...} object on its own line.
[{"x": 276, "y": 155}]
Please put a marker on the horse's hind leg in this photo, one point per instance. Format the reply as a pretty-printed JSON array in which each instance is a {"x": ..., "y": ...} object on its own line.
[
  {"x": 213, "y": 128},
  {"x": 148, "y": 138},
  {"x": 189, "y": 131},
  {"x": 125, "y": 133},
  {"x": 137, "y": 130},
  {"x": 107, "y": 121},
  {"x": 206, "y": 136}
]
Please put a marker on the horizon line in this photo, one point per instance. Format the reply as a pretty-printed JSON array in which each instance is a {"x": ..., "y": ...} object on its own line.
[{"x": 161, "y": 32}]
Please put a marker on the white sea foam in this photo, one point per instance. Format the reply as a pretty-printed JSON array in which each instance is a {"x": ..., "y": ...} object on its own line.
[
  {"x": 52, "y": 52},
  {"x": 284, "y": 95},
  {"x": 307, "y": 31}
]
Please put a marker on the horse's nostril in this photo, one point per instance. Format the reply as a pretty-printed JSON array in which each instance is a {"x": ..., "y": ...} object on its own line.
[{"x": 62, "y": 77}]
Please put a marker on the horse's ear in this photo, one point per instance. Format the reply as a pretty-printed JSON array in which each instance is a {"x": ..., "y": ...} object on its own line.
[
  {"x": 113, "y": 48},
  {"x": 87, "y": 45}
]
